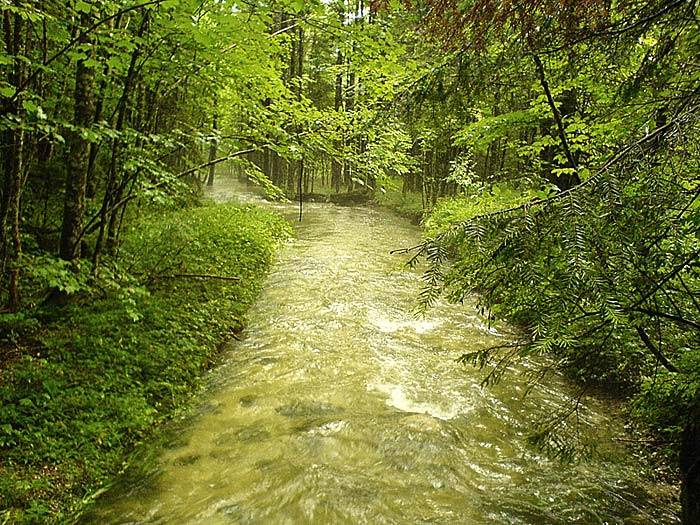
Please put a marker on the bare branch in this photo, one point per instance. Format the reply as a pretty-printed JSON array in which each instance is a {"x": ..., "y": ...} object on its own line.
[
  {"x": 212, "y": 162},
  {"x": 657, "y": 353},
  {"x": 196, "y": 276}
]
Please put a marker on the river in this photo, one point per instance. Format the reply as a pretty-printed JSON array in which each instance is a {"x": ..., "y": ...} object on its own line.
[{"x": 339, "y": 405}]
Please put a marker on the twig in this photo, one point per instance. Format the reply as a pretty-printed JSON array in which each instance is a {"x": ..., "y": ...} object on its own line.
[
  {"x": 656, "y": 351},
  {"x": 196, "y": 276},
  {"x": 403, "y": 251},
  {"x": 648, "y": 441},
  {"x": 606, "y": 166},
  {"x": 77, "y": 39},
  {"x": 676, "y": 318},
  {"x": 215, "y": 161}
]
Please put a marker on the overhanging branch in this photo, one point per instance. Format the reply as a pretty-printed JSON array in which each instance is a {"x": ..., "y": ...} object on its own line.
[
  {"x": 657, "y": 353},
  {"x": 212, "y": 162}
]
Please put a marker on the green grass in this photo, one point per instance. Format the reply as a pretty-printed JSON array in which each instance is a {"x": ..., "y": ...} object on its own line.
[
  {"x": 461, "y": 208},
  {"x": 91, "y": 379},
  {"x": 409, "y": 205}
]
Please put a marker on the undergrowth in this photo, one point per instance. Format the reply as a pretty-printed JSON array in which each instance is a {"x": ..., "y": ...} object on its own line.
[
  {"x": 407, "y": 204},
  {"x": 82, "y": 384}
]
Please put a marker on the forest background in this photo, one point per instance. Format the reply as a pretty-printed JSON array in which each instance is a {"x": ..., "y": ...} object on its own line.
[{"x": 549, "y": 146}]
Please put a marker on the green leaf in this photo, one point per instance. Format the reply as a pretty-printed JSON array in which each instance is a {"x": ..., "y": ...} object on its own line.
[
  {"x": 296, "y": 5},
  {"x": 7, "y": 91},
  {"x": 83, "y": 7}
]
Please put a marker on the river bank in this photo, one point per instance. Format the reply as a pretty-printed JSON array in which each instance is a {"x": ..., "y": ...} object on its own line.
[{"x": 88, "y": 381}]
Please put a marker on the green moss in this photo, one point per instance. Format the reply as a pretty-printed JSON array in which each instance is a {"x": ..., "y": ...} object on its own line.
[{"x": 103, "y": 371}]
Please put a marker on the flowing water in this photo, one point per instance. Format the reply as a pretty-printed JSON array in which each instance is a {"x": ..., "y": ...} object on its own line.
[{"x": 339, "y": 405}]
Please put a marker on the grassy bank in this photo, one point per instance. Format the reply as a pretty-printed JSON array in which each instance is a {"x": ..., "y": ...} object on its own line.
[
  {"x": 82, "y": 383},
  {"x": 408, "y": 205}
]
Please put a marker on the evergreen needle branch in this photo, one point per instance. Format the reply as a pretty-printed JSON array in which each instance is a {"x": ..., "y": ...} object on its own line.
[
  {"x": 614, "y": 159},
  {"x": 618, "y": 29}
]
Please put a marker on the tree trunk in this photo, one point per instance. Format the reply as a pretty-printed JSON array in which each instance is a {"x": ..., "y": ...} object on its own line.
[
  {"x": 12, "y": 247},
  {"x": 114, "y": 191},
  {"x": 300, "y": 74},
  {"x": 690, "y": 468},
  {"x": 13, "y": 141},
  {"x": 336, "y": 164},
  {"x": 91, "y": 190},
  {"x": 213, "y": 147},
  {"x": 76, "y": 180},
  {"x": 563, "y": 181}
]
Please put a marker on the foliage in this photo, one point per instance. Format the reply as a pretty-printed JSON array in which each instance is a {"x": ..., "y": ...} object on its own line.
[
  {"x": 465, "y": 207},
  {"x": 109, "y": 103},
  {"x": 408, "y": 205},
  {"x": 553, "y": 144},
  {"x": 570, "y": 130},
  {"x": 104, "y": 371},
  {"x": 602, "y": 278},
  {"x": 664, "y": 398}
]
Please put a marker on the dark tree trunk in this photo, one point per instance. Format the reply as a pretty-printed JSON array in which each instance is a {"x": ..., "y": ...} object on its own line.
[
  {"x": 91, "y": 190},
  {"x": 13, "y": 141},
  {"x": 109, "y": 211},
  {"x": 300, "y": 74},
  {"x": 12, "y": 246},
  {"x": 78, "y": 161},
  {"x": 266, "y": 169},
  {"x": 213, "y": 148},
  {"x": 276, "y": 174},
  {"x": 336, "y": 164},
  {"x": 562, "y": 181},
  {"x": 690, "y": 468}
]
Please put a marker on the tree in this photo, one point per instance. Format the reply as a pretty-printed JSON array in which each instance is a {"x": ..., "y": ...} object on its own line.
[
  {"x": 600, "y": 267},
  {"x": 78, "y": 153}
]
